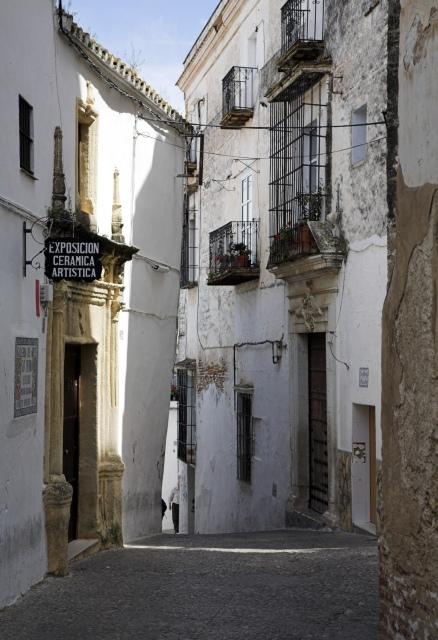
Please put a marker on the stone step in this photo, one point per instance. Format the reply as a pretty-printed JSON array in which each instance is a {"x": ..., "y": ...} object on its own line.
[
  {"x": 82, "y": 548},
  {"x": 306, "y": 520}
]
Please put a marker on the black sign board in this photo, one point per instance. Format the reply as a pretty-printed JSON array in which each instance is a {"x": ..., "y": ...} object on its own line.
[{"x": 72, "y": 259}]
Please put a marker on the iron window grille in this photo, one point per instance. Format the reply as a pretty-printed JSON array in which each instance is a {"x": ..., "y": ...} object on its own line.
[
  {"x": 298, "y": 167},
  {"x": 189, "y": 249},
  {"x": 26, "y": 134},
  {"x": 234, "y": 245},
  {"x": 238, "y": 90},
  {"x": 186, "y": 393},
  {"x": 301, "y": 20},
  {"x": 192, "y": 151},
  {"x": 245, "y": 436}
]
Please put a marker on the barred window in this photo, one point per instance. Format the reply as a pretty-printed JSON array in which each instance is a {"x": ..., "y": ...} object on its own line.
[
  {"x": 298, "y": 168},
  {"x": 26, "y": 134},
  {"x": 244, "y": 436},
  {"x": 186, "y": 393},
  {"x": 189, "y": 249}
]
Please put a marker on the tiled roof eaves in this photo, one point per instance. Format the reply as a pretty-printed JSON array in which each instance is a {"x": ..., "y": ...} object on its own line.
[{"x": 119, "y": 68}]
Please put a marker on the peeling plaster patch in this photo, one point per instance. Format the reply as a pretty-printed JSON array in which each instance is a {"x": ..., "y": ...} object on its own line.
[
  {"x": 209, "y": 373},
  {"x": 417, "y": 38}
]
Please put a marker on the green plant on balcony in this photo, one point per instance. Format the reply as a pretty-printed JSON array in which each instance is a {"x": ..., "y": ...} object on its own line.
[{"x": 240, "y": 254}]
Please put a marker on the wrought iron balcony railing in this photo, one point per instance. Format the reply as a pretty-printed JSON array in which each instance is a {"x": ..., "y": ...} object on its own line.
[
  {"x": 238, "y": 96},
  {"x": 234, "y": 253},
  {"x": 302, "y": 29}
]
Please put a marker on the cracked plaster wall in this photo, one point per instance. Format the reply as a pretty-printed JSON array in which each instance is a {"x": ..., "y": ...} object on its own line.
[
  {"x": 356, "y": 42},
  {"x": 408, "y": 549}
]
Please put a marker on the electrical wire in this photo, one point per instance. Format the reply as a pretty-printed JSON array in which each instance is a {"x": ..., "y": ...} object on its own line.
[
  {"x": 182, "y": 122},
  {"x": 254, "y": 158}
]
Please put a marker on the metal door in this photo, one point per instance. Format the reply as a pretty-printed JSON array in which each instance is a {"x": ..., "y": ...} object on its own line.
[
  {"x": 72, "y": 365},
  {"x": 318, "y": 464}
]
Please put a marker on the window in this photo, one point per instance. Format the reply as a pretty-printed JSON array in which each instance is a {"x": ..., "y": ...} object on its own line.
[
  {"x": 310, "y": 158},
  {"x": 26, "y": 134},
  {"x": 186, "y": 392},
  {"x": 244, "y": 436},
  {"x": 189, "y": 248},
  {"x": 252, "y": 50},
  {"x": 298, "y": 167},
  {"x": 246, "y": 206},
  {"x": 359, "y": 135}
]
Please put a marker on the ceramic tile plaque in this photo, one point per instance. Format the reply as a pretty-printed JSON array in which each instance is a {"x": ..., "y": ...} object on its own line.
[
  {"x": 26, "y": 376},
  {"x": 364, "y": 376}
]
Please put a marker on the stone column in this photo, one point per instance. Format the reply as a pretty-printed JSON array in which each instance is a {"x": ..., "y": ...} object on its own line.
[
  {"x": 111, "y": 466},
  {"x": 57, "y": 492}
]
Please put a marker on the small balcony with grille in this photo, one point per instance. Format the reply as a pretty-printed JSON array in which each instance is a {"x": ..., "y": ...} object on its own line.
[
  {"x": 302, "y": 32},
  {"x": 234, "y": 253},
  {"x": 238, "y": 97}
]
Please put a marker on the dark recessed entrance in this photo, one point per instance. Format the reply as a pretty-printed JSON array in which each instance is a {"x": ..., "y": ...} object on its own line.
[
  {"x": 72, "y": 371},
  {"x": 318, "y": 465}
]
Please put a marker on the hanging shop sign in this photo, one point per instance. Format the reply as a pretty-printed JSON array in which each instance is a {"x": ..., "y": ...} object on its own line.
[{"x": 73, "y": 259}]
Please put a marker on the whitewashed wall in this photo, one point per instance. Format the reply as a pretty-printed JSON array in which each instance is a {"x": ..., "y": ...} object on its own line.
[
  {"x": 151, "y": 198},
  {"x": 148, "y": 160},
  {"x": 27, "y": 71},
  {"x": 170, "y": 472}
]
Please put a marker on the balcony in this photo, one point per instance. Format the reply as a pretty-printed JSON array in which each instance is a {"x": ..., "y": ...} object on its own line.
[
  {"x": 234, "y": 253},
  {"x": 238, "y": 97},
  {"x": 302, "y": 32}
]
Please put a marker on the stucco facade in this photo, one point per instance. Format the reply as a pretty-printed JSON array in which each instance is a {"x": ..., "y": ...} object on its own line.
[
  {"x": 336, "y": 295},
  {"x": 408, "y": 548},
  {"x": 101, "y": 170}
]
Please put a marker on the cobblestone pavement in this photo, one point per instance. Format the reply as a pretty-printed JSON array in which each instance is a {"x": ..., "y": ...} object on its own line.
[{"x": 282, "y": 585}]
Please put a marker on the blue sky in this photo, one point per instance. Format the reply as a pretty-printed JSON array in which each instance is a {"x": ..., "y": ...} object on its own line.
[{"x": 161, "y": 34}]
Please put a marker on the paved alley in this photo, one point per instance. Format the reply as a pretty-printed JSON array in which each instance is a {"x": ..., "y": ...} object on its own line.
[{"x": 282, "y": 585}]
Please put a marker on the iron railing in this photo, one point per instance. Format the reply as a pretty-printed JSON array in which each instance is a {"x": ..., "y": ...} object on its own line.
[
  {"x": 234, "y": 246},
  {"x": 301, "y": 20},
  {"x": 298, "y": 168},
  {"x": 244, "y": 436},
  {"x": 238, "y": 90},
  {"x": 186, "y": 394},
  {"x": 189, "y": 250}
]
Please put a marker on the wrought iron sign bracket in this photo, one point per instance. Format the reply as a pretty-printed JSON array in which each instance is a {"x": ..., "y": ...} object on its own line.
[{"x": 26, "y": 262}]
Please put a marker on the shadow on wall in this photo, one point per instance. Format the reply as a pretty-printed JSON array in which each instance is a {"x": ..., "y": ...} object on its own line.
[{"x": 151, "y": 329}]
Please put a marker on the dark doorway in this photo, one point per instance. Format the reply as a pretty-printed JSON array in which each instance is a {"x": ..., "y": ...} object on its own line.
[
  {"x": 72, "y": 372},
  {"x": 318, "y": 464}
]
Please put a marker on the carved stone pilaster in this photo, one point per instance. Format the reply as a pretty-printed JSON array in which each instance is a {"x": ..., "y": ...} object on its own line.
[
  {"x": 110, "y": 494},
  {"x": 58, "y": 193},
  {"x": 57, "y": 497},
  {"x": 117, "y": 220}
]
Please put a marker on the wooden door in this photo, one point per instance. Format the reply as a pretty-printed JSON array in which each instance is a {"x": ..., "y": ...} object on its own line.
[
  {"x": 72, "y": 364},
  {"x": 318, "y": 459}
]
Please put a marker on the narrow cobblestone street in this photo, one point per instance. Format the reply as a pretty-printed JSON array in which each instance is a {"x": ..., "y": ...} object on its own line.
[{"x": 282, "y": 585}]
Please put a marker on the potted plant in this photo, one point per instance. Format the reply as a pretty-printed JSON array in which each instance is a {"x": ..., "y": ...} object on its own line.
[{"x": 240, "y": 254}]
